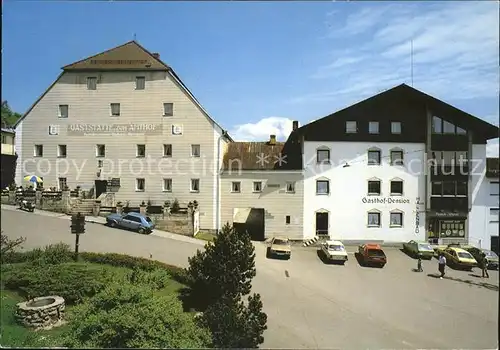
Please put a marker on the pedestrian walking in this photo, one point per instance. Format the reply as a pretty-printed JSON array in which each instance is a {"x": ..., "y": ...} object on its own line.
[
  {"x": 441, "y": 264},
  {"x": 419, "y": 263},
  {"x": 483, "y": 265}
]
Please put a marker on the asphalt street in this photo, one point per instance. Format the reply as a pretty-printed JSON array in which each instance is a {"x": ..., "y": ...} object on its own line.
[{"x": 313, "y": 305}]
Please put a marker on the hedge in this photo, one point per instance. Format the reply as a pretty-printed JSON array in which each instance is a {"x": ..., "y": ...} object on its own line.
[{"x": 113, "y": 259}]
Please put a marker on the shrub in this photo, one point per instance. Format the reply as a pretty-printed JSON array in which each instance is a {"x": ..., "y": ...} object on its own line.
[
  {"x": 132, "y": 317},
  {"x": 8, "y": 245},
  {"x": 156, "y": 279},
  {"x": 72, "y": 281},
  {"x": 175, "y": 206}
]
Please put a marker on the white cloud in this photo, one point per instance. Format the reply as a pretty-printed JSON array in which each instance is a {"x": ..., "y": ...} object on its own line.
[
  {"x": 455, "y": 52},
  {"x": 260, "y": 131},
  {"x": 492, "y": 148}
]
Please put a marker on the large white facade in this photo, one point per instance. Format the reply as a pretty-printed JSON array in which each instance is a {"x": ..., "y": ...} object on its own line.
[{"x": 349, "y": 203}]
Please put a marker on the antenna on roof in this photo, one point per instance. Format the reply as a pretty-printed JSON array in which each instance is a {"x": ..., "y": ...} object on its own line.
[
  {"x": 411, "y": 57},
  {"x": 135, "y": 36}
]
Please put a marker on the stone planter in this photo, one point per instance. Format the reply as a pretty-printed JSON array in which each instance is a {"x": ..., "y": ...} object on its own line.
[{"x": 41, "y": 313}]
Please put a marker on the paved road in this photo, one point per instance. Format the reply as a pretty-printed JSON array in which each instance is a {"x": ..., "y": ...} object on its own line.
[{"x": 312, "y": 305}]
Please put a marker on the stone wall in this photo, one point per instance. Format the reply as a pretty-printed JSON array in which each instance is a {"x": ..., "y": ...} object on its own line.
[{"x": 44, "y": 316}]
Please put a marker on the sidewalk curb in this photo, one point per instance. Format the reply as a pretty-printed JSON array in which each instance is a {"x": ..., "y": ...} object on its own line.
[{"x": 102, "y": 221}]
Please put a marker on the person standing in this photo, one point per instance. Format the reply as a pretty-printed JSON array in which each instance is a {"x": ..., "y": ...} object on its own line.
[
  {"x": 419, "y": 263},
  {"x": 483, "y": 265},
  {"x": 441, "y": 264}
]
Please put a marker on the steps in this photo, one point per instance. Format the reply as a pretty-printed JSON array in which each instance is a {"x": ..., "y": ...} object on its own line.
[{"x": 84, "y": 206}]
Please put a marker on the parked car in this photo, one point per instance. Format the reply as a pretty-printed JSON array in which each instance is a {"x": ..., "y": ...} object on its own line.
[
  {"x": 441, "y": 248},
  {"x": 131, "y": 221},
  {"x": 372, "y": 254},
  {"x": 460, "y": 258},
  {"x": 491, "y": 257},
  {"x": 279, "y": 247},
  {"x": 414, "y": 248},
  {"x": 334, "y": 251}
]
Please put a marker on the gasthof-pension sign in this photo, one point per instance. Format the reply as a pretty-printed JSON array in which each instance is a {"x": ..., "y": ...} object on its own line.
[{"x": 114, "y": 129}]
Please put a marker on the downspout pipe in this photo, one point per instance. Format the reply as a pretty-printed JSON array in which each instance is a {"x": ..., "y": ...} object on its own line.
[{"x": 217, "y": 196}]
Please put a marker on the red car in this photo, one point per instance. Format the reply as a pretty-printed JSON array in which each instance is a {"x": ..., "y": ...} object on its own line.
[{"x": 372, "y": 254}]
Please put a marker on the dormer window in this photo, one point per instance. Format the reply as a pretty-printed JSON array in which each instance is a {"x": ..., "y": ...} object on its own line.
[
  {"x": 396, "y": 127},
  {"x": 351, "y": 127},
  {"x": 373, "y": 127}
]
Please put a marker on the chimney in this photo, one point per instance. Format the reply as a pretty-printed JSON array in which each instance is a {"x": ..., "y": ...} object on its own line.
[
  {"x": 295, "y": 125},
  {"x": 156, "y": 55},
  {"x": 272, "y": 140}
]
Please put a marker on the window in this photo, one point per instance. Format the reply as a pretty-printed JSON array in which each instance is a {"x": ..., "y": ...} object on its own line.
[
  {"x": 115, "y": 109},
  {"x": 91, "y": 83},
  {"x": 195, "y": 185},
  {"x": 140, "y": 83},
  {"x": 63, "y": 183},
  {"x": 63, "y": 111},
  {"x": 4, "y": 139},
  {"x": 100, "y": 150},
  {"x": 168, "y": 109},
  {"x": 461, "y": 188},
  {"x": 437, "y": 125},
  {"x": 351, "y": 127},
  {"x": 195, "y": 150},
  {"x": 290, "y": 187},
  {"x": 141, "y": 151},
  {"x": 38, "y": 152},
  {"x": 461, "y": 158},
  {"x": 396, "y": 219},
  {"x": 322, "y": 187},
  {"x": 373, "y": 219},
  {"x": 236, "y": 187},
  {"x": 396, "y": 188},
  {"x": 61, "y": 151},
  {"x": 397, "y": 158},
  {"x": 448, "y": 128},
  {"x": 494, "y": 214},
  {"x": 494, "y": 188},
  {"x": 140, "y": 185},
  {"x": 167, "y": 185},
  {"x": 374, "y": 157},
  {"x": 461, "y": 131},
  {"x": 323, "y": 155},
  {"x": 396, "y": 127},
  {"x": 373, "y": 127},
  {"x": 448, "y": 157},
  {"x": 257, "y": 186},
  {"x": 437, "y": 188},
  {"x": 167, "y": 150},
  {"x": 374, "y": 188},
  {"x": 288, "y": 220},
  {"x": 448, "y": 188}
]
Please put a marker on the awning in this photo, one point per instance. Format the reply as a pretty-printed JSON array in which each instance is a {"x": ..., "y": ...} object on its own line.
[{"x": 240, "y": 215}]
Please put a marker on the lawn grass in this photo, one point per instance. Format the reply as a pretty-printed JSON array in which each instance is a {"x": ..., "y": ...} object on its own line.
[
  {"x": 205, "y": 236},
  {"x": 13, "y": 334}
]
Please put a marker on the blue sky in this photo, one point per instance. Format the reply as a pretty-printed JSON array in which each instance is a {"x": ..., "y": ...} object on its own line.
[{"x": 255, "y": 66}]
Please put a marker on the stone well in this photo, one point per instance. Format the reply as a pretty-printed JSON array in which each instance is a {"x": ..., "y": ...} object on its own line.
[{"x": 42, "y": 312}]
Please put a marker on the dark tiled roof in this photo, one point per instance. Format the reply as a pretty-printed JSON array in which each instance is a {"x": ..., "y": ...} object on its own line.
[
  {"x": 492, "y": 167},
  {"x": 262, "y": 156}
]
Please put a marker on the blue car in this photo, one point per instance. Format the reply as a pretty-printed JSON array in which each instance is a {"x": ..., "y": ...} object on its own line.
[{"x": 131, "y": 221}]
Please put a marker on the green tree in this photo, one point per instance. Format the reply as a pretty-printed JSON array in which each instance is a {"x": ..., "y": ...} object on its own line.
[
  {"x": 129, "y": 316},
  {"x": 220, "y": 277},
  {"x": 9, "y": 117},
  {"x": 224, "y": 269}
]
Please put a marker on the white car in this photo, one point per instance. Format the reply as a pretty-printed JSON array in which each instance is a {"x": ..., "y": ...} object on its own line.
[{"x": 334, "y": 251}]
